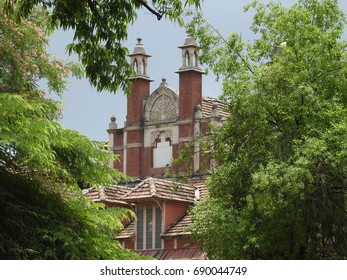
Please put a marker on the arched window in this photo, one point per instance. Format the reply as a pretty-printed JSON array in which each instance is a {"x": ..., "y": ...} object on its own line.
[
  {"x": 187, "y": 58},
  {"x": 136, "y": 66},
  {"x": 196, "y": 56},
  {"x": 144, "y": 67}
]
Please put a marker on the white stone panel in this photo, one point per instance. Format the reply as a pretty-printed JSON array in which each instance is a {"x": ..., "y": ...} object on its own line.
[{"x": 162, "y": 155}]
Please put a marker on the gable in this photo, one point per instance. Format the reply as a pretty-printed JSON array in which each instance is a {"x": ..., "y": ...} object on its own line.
[{"x": 161, "y": 106}]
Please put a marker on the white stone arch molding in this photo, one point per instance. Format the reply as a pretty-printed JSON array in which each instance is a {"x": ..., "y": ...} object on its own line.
[{"x": 162, "y": 106}]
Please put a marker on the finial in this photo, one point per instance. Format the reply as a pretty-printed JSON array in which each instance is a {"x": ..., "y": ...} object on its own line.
[
  {"x": 163, "y": 82},
  {"x": 113, "y": 124},
  {"x": 197, "y": 112},
  {"x": 139, "y": 41},
  {"x": 189, "y": 41},
  {"x": 197, "y": 107},
  {"x": 214, "y": 111}
]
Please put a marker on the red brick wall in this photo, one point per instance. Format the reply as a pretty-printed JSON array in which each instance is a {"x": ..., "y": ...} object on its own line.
[
  {"x": 204, "y": 127},
  {"x": 183, "y": 242},
  {"x": 169, "y": 244},
  {"x": 190, "y": 89},
  {"x": 146, "y": 162},
  {"x": 134, "y": 154},
  {"x": 119, "y": 137},
  {"x": 135, "y": 136},
  {"x": 140, "y": 91},
  {"x": 186, "y": 129},
  {"x": 133, "y": 162},
  {"x": 172, "y": 213},
  {"x": 129, "y": 244},
  {"x": 118, "y": 164}
]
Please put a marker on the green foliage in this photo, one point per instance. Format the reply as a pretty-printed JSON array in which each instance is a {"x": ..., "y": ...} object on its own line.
[
  {"x": 280, "y": 190},
  {"x": 47, "y": 223},
  {"x": 183, "y": 163},
  {"x": 100, "y": 29},
  {"x": 30, "y": 137},
  {"x": 41, "y": 162}
]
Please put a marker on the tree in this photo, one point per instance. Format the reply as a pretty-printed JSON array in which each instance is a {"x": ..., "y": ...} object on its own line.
[
  {"x": 280, "y": 191},
  {"x": 100, "y": 30},
  {"x": 43, "y": 212}
]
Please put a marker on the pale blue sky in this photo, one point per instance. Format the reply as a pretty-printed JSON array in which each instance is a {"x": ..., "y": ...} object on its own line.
[{"x": 89, "y": 111}]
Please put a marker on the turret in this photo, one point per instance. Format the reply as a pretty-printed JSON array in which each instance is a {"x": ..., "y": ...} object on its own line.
[
  {"x": 190, "y": 79},
  {"x": 140, "y": 88}
]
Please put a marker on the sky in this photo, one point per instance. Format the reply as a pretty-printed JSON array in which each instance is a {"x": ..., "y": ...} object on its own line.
[{"x": 89, "y": 111}]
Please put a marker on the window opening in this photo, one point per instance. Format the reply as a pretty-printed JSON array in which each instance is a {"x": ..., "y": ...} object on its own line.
[
  {"x": 162, "y": 152},
  {"x": 149, "y": 225}
]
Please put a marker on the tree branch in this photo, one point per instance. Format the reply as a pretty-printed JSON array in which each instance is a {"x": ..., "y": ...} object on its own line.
[
  {"x": 157, "y": 14},
  {"x": 92, "y": 5},
  {"x": 238, "y": 53}
]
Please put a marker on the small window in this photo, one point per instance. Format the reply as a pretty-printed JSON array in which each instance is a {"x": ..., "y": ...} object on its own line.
[
  {"x": 149, "y": 225},
  {"x": 140, "y": 219},
  {"x": 149, "y": 228},
  {"x": 158, "y": 225}
]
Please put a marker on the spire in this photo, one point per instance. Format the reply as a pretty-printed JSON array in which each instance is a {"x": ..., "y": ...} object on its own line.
[{"x": 139, "y": 61}]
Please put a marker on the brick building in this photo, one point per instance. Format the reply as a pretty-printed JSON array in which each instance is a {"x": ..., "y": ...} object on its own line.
[{"x": 158, "y": 125}]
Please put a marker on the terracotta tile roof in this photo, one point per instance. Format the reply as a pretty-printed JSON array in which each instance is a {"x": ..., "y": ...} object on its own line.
[
  {"x": 111, "y": 194},
  {"x": 180, "y": 227},
  {"x": 200, "y": 184},
  {"x": 175, "y": 254},
  {"x": 206, "y": 107},
  {"x": 128, "y": 232},
  {"x": 160, "y": 189}
]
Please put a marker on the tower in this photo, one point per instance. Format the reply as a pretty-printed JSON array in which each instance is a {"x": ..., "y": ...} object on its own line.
[
  {"x": 140, "y": 84},
  {"x": 190, "y": 79},
  {"x": 190, "y": 98},
  {"x": 131, "y": 143},
  {"x": 161, "y": 123}
]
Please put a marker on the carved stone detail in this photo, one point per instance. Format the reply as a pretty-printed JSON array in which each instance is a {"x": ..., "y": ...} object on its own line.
[
  {"x": 162, "y": 105},
  {"x": 163, "y": 109},
  {"x": 156, "y": 135}
]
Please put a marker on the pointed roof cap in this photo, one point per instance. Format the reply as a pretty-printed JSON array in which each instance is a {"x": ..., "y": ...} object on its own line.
[
  {"x": 189, "y": 42},
  {"x": 139, "y": 49}
]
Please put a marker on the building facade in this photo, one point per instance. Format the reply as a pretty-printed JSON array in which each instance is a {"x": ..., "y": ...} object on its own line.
[
  {"x": 161, "y": 123},
  {"x": 158, "y": 125}
]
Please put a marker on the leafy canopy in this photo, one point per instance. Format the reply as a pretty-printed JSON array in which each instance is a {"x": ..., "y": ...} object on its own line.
[
  {"x": 100, "y": 28},
  {"x": 41, "y": 162},
  {"x": 280, "y": 190}
]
